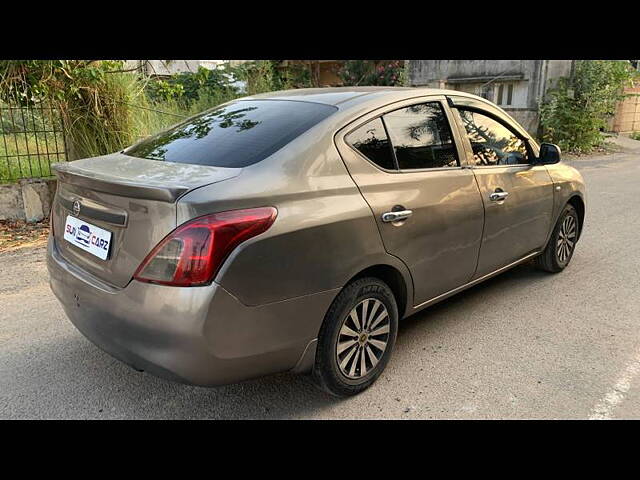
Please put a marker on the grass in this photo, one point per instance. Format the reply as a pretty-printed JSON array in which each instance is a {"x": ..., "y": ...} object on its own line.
[{"x": 29, "y": 155}]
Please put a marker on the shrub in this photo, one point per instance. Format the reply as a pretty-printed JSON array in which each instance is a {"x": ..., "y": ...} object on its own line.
[
  {"x": 189, "y": 87},
  {"x": 575, "y": 112},
  {"x": 372, "y": 72}
]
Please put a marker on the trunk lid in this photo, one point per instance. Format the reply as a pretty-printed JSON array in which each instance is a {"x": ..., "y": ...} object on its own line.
[{"x": 133, "y": 198}]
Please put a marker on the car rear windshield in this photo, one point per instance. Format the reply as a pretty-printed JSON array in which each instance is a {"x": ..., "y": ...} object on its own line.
[{"x": 235, "y": 135}]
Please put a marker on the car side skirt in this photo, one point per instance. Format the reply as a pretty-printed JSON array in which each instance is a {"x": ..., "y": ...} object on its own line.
[{"x": 448, "y": 294}]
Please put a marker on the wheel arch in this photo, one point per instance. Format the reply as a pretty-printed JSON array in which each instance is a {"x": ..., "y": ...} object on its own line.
[
  {"x": 576, "y": 202},
  {"x": 392, "y": 277}
]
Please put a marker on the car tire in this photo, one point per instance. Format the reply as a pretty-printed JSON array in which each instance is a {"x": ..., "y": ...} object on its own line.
[
  {"x": 352, "y": 353},
  {"x": 559, "y": 250}
]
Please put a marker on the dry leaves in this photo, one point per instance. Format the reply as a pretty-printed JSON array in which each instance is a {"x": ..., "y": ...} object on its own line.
[{"x": 18, "y": 233}]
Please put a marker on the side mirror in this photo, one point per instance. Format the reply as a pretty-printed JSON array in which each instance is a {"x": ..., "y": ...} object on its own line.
[{"x": 549, "y": 154}]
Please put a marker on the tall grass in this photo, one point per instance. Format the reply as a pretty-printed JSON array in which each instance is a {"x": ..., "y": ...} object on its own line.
[
  {"x": 99, "y": 120},
  {"x": 152, "y": 117},
  {"x": 118, "y": 114}
]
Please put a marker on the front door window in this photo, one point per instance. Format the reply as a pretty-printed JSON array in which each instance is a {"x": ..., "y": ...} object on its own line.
[{"x": 492, "y": 142}]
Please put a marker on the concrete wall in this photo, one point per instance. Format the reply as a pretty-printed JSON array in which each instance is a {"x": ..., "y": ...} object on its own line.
[
  {"x": 531, "y": 79},
  {"x": 28, "y": 200},
  {"x": 627, "y": 117},
  {"x": 528, "y": 118}
]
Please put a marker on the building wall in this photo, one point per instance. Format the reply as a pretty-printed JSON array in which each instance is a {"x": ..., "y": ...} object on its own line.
[
  {"x": 527, "y": 80},
  {"x": 627, "y": 116},
  {"x": 171, "y": 67}
]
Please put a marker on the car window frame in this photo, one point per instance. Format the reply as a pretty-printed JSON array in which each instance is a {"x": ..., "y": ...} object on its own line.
[
  {"x": 530, "y": 154},
  {"x": 386, "y": 132},
  {"x": 464, "y": 103},
  {"x": 381, "y": 111}
]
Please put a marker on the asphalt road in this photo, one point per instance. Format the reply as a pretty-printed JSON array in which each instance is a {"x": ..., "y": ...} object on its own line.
[{"x": 525, "y": 344}]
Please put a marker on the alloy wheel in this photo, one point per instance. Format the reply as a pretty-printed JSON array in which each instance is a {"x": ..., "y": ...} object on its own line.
[
  {"x": 566, "y": 238},
  {"x": 363, "y": 338}
]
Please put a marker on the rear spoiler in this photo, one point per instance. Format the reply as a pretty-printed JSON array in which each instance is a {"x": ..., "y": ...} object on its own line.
[{"x": 100, "y": 182}]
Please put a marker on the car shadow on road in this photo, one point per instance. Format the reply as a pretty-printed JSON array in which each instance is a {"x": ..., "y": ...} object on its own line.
[
  {"x": 522, "y": 276},
  {"x": 74, "y": 379}
]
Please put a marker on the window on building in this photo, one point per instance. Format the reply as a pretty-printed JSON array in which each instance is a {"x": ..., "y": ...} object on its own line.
[{"x": 505, "y": 94}]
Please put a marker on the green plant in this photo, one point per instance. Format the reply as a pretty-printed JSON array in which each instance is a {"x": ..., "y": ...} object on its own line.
[
  {"x": 576, "y": 111},
  {"x": 159, "y": 90},
  {"x": 635, "y": 136},
  {"x": 296, "y": 75},
  {"x": 372, "y": 72},
  {"x": 260, "y": 76},
  {"x": 95, "y": 99},
  {"x": 189, "y": 87}
]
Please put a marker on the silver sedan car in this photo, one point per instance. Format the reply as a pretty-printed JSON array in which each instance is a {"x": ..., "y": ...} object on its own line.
[{"x": 292, "y": 231}]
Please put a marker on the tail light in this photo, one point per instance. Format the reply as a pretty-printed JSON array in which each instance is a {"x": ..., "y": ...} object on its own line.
[{"x": 192, "y": 254}]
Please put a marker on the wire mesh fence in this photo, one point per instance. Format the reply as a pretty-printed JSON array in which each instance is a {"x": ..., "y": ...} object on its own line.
[{"x": 31, "y": 139}]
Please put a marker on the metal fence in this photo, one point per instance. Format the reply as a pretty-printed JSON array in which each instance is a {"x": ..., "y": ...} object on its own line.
[{"x": 31, "y": 140}]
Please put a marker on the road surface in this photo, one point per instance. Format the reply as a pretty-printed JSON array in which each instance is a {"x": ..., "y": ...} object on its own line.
[{"x": 525, "y": 344}]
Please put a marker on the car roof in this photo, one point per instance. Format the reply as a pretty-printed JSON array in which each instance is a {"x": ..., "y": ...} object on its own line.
[
  {"x": 344, "y": 97},
  {"x": 352, "y": 102}
]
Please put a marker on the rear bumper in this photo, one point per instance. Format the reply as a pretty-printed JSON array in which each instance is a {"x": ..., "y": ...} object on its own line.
[{"x": 197, "y": 335}]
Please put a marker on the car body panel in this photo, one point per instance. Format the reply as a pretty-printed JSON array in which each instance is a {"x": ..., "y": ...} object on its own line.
[
  {"x": 444, "y": 231},
  {"x": 139, "y": 178},
  {"x": 147, "y": 222},
  {"x": 324, "y": 233},
  {"x": 519, "y": 224},
  {"x": 197, "y": 335},
  {"x": 132, "y": 198},
  {"x": 263, "y": 310},
  {"x": 568, "y": 183}
]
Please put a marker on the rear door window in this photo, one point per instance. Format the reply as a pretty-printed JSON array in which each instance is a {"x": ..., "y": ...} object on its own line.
[
  {"x": 235, "y": 135},
  {"x": 421, "y": 137}
]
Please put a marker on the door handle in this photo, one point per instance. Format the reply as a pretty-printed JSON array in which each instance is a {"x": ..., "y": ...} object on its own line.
[
  {"x": 497, "y": 196},
  {"x": 396, "y": 216}
]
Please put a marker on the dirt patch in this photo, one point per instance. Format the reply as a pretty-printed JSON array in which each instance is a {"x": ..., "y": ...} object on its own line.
[{"x": 18, "y": 234}]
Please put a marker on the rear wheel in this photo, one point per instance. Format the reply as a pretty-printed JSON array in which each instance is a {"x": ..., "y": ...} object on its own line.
[
  {"x": 356, "y": 338},
  {"x": 558, "y": 252}
]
